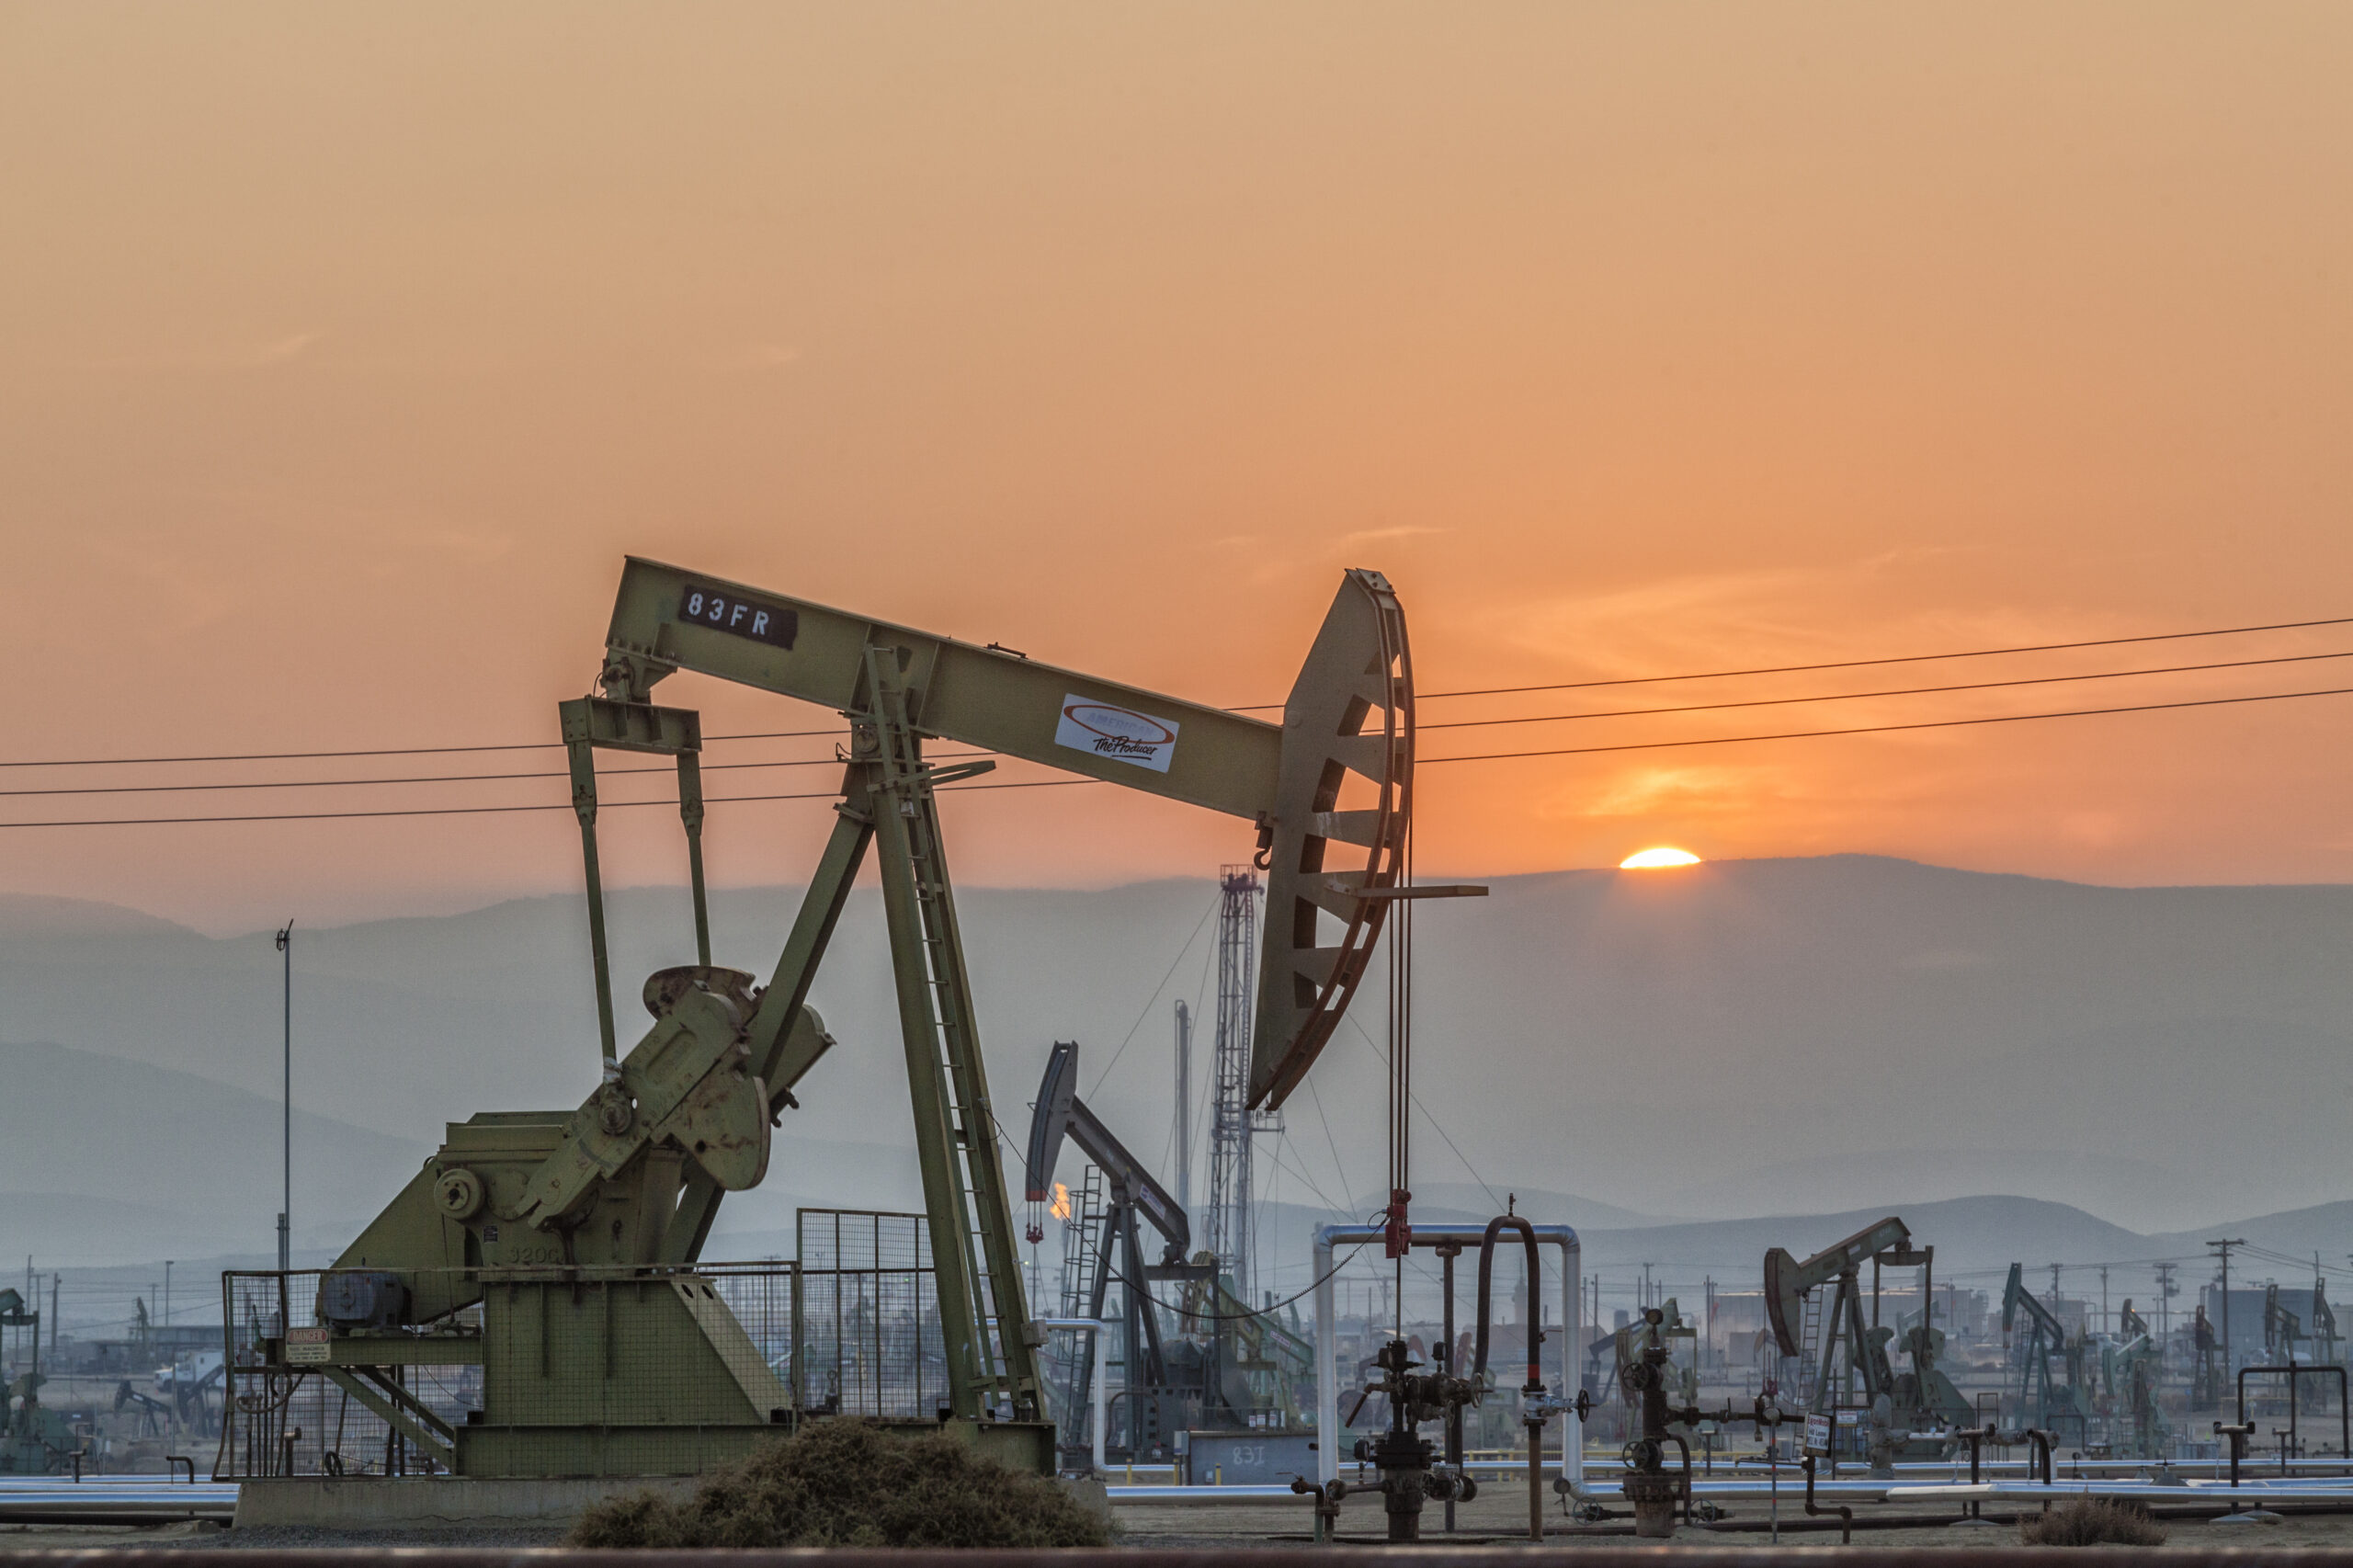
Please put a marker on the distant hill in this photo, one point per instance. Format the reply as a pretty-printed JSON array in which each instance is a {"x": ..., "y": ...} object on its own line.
[
  {"x": 1977, "y": 1235},
  {"x": 1976, "y": 1240},
  {"x": 106, "y": 1161},
  {"x": 2325, "y": 1229},
  {"x": 25, "y": 915},
  {"x": 2132, "y": 1192},
  {"x": 1819, "y": 1036},
  {"x": 103, "y": 1158}
]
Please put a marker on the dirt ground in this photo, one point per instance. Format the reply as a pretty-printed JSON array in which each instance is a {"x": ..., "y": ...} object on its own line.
[{"x": 1500, "y": 1515}]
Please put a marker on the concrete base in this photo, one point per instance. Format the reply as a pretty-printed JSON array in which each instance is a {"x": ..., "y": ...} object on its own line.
[{"x": 434, "y": 1503}]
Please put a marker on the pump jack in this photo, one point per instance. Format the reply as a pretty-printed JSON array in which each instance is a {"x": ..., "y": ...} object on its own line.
[
  {"x": 2206, "y": 1369},
  {"x": 1897, "y": 1405},
  {"x": 2282, "y": 1329},
  {"x": 539, "y": 1202},
  {"x": 1134, "y": 1193},
  {"x": 2049, "y": 1402}
]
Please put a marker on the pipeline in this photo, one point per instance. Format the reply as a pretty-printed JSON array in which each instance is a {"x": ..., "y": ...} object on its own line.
[
  {"x": 1845, "y": 1515},
  {"x": 2038, "y": 1441},
  {"x": 1533, "y": 1389},
  {"x": 2344, "y": 1409},
  {"x": 1680, "y": 1443},
  {"x": 1486, "y": 1280}
]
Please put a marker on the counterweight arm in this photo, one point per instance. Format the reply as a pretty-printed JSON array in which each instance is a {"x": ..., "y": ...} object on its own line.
[{"x": 667, "y": 618}]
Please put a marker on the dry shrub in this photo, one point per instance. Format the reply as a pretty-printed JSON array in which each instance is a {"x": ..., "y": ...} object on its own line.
[
  {"x": 2092, "y": 1521},
  {"x": 849, "y": 1483}
]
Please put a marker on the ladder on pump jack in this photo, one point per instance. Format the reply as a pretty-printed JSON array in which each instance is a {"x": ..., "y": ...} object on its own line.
[
  {"x": 965, "y": 1141},
  {"x": 1809, "y": 1349}
]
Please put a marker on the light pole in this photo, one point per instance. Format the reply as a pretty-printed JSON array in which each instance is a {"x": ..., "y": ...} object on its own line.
[
  {"x": 286, "y": 1200},
  {"x": 167, "y": 1292}
]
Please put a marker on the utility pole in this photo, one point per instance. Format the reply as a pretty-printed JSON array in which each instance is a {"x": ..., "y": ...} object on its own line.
[
  {"x": 167, "y": 1290},
  {"x": 286, "y": 1202},
  {"x": 2103, "y": 1298},
  {"x": 2165, "y": 1299},
  {"x": 2225, "y": 1248},
  {"x": 1646, "y": 1287}
]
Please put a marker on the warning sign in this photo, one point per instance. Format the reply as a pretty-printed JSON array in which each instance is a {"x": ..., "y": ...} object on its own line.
[
  {"x": 1817, "y": 1433},
  {"x": 309, "y": 1347}
]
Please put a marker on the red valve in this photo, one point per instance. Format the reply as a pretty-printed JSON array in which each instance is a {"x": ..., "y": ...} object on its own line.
[{"x": 1398, "y": 1237}]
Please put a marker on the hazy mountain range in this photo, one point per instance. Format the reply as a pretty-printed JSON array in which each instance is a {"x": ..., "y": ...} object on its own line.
[{"x": 1833, "y": 1036}]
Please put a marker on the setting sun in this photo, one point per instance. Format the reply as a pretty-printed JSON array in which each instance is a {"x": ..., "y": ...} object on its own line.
[{"x": 1645, "y": 860}]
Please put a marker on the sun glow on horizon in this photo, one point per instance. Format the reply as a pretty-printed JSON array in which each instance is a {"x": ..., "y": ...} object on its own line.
[{"x": 1649, "y": 859}]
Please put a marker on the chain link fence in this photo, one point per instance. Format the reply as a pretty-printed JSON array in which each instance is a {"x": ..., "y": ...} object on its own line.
[
  {"x": 870, "y": 1341},
  {"x": 591, "y": 1370}
]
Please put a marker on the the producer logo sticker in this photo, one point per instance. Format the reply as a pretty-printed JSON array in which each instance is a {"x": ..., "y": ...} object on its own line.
[{"x": 1121, "y": 735}]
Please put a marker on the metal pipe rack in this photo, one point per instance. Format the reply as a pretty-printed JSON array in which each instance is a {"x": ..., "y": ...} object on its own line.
[{"x": 1327, "y": 1386}]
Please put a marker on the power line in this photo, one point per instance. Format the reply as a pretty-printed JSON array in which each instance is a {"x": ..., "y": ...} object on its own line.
[
  {"x": 479, "y": 811},
  {"x": 1894, "y": 692},
  {"x": 374, "y": 751},
  {"x": 1241, "y": 707},
  {"x": 1905, "y": 659},
  {"x": 1382, "y": 1057},
  {"x": 1427, "y": 762},
  {"x": 1885, "y": 729},
  {"x": 438, "y": 779},
  {"x": 1121, "y": 1049},
  {"x": 958, "y": 757}
]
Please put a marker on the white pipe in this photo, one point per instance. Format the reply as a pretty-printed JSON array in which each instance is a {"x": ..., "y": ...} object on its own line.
[
  {"x": 1098, "y": 1401},
  {"x": 1327, "y": 1386},
  {"x": 2200, "y": 1496},
  {"x": 1187, "y": 1497},
  {"x": 1327, "y": 1391}
]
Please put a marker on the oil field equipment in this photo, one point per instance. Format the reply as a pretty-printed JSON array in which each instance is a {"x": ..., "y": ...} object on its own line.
[
  {"x": 2283, "y": 1330},
  {"x": 1155, "y": 1410},
  {"x": 38, "y": 1440},
  {"x": 1648, "y": 1381},
  {"x": 2044, "y": 1401},
  {"x": 1899, "y": 1411},
  {"x": 1409, "y": 1468},
  {"x": 34, "y": 1438},
  {"x": 2206, "y": 1364},
  {"x": 554, "y": 1257},
  {"x": 1254, "y": 1371},
  {"x": 2129, "y": 1365}
]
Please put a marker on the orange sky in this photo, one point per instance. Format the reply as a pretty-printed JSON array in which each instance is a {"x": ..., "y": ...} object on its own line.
[{"x": 345, "y": 350}]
